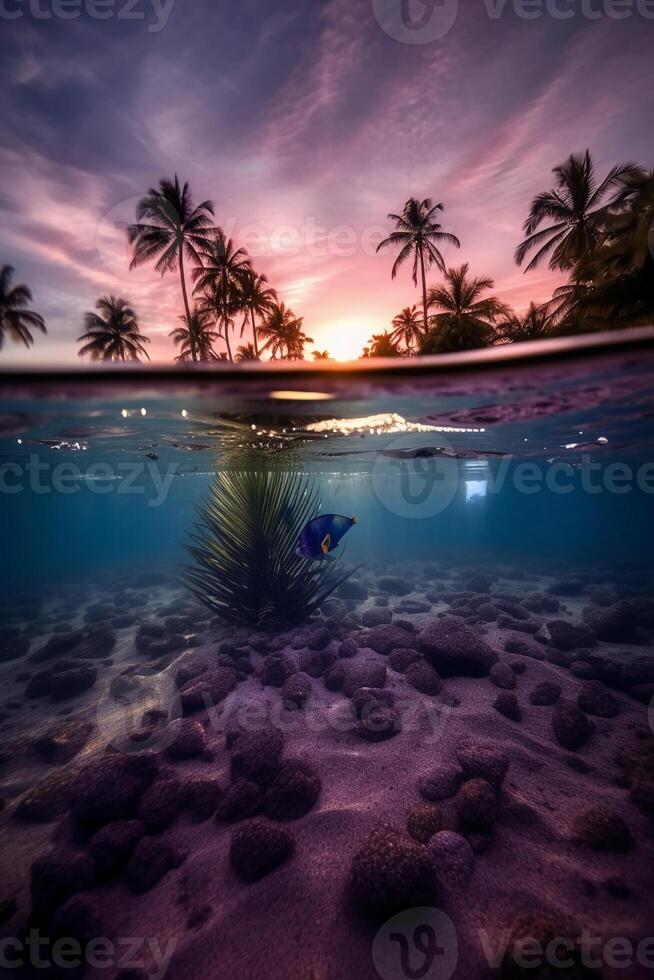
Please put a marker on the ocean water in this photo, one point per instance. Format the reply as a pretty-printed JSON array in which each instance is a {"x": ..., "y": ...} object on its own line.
[{"x": 510, "y": 504}]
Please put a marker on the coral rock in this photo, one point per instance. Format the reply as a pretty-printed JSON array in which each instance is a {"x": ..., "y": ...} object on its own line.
[
  {"x": 455, "y": 649},
  {"x": 387, "y": 637},
  {"x": 113, "y": 845},
  {"x": 57, "y": 877},
  {"x": 424, "y": 678},
  {"x": 208, "y": 690},
  {"x": 259, "y": 847},
  {"x": 160, "y": 805},
  {"x": 256, "y": 755},
  {"x": 571, "y": 726},
  {"x": 508, "y": 705},
  {"x": 595, "y": 699},
  {"x": 441, "y": 783},
  {"x": 184, "y": 738},
  {"x": 481, "y": 761},
  {"x": 568, "y": 636},
  {"x": 544, "y": 694},
  {"x": 475, "y": 805},
  {"x": 364, "y": 673},
  {"x": 296, "y": 691},
  {"x": 452, "y": 857},
  {"x": 293, "y": 792},
  {"x": 109, "y": 787},
  {"x": 390, "y": 873},
  {"x": 377, "y": 724},
  {"x": 242, "y": 799},
  {"x": 151, "y": 861},
  {"x": 202, "y": 796},
  {"x": 423, "y": 821},
  {"x": 401, "y": 659}
]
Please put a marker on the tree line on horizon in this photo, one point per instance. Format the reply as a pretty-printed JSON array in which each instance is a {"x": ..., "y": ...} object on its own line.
[{"x": 599, "y": 232}]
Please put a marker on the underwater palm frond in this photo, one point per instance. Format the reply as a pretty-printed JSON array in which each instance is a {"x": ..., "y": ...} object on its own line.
[{"x": 246, "y": 568}]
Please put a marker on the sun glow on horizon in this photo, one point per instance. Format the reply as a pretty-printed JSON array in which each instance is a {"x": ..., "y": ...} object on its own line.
[{"x": 344, "y": 339}]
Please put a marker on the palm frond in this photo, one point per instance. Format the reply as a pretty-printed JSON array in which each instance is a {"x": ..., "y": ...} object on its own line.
[{"x": 246, "y": 569}]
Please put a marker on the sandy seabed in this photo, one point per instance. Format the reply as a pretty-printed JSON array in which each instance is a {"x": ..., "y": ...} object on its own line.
[{"x": 257, "y": 805}]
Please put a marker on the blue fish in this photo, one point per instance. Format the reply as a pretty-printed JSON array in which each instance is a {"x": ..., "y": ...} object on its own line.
[{"x": 322, "y": 535}]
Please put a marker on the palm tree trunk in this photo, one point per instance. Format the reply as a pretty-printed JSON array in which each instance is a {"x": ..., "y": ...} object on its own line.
[
  {"x": 226, "y": 322},
  {"x": 191, "y": 338},
  {"x": 254, "y": 333},
  {"x": 424, "y": 291}
]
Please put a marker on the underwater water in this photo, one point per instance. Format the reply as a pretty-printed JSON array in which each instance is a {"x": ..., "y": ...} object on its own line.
[{"x": 407, "y": 758}]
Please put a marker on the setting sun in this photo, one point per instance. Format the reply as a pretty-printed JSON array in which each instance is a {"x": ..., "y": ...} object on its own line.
[{"x": 344, "y": 339}]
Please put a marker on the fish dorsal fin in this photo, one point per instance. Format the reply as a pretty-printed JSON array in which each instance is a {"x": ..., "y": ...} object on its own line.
[{"x": 326, "y": 544}]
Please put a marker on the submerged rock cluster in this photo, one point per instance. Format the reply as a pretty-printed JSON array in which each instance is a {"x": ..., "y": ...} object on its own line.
[{"x": 540, "y": 687}]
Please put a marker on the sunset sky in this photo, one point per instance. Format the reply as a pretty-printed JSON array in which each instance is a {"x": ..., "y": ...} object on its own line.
[{"x": 305, "y": 123}]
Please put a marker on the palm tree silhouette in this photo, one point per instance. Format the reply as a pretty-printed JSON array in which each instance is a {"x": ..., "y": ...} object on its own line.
[
  {"x": 246, "y": 352},
  {"x": 535, "y": 324},
  {"x": 382, "y": 345},
  {"x": 576, "y": 205},
  {"x": 257, "y": 297},
  {"x": 629, "y": 244},
  {"x": 320, "y": 355},
  {"x": 466, "y": 319},
  {"x": 417, "y": 234},
  {"x": 196, "y": 335},
  {"x": 219, "y": 281},
  {"x": 16, "y": 320},
  {"x": 407, "y": 327},
  {"x": 168, "y": 227},
  {"x": 283, "y": 333},
  {"x": 112, "y": 334}
]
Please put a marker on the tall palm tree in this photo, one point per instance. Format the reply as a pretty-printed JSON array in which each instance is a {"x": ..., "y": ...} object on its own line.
[
  {"x": 320, "y": 355},
  {"x": 576, "y": 205},
  {"x": 195, "y": 336},
  {"x": 113, "y": 333},
  {"x": 629, "y": 244},
  {"x": 167, "y": 228},
  {"x": 418, "y": 235},
  {"x": 613, "y": 286},
  {"x": 466, "y": 319},
  {"x": 382, "y": 345},
  {"x": 535, "y": 324},
  {"x": 258, "y": 297},
  {"x": 283, "y": 333},
  {"x": 219, "y": 281},
  {"x": 16, "y": 320},
  {"x": 407, "y": 327},
  {"x": 246, "y": 352}
]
